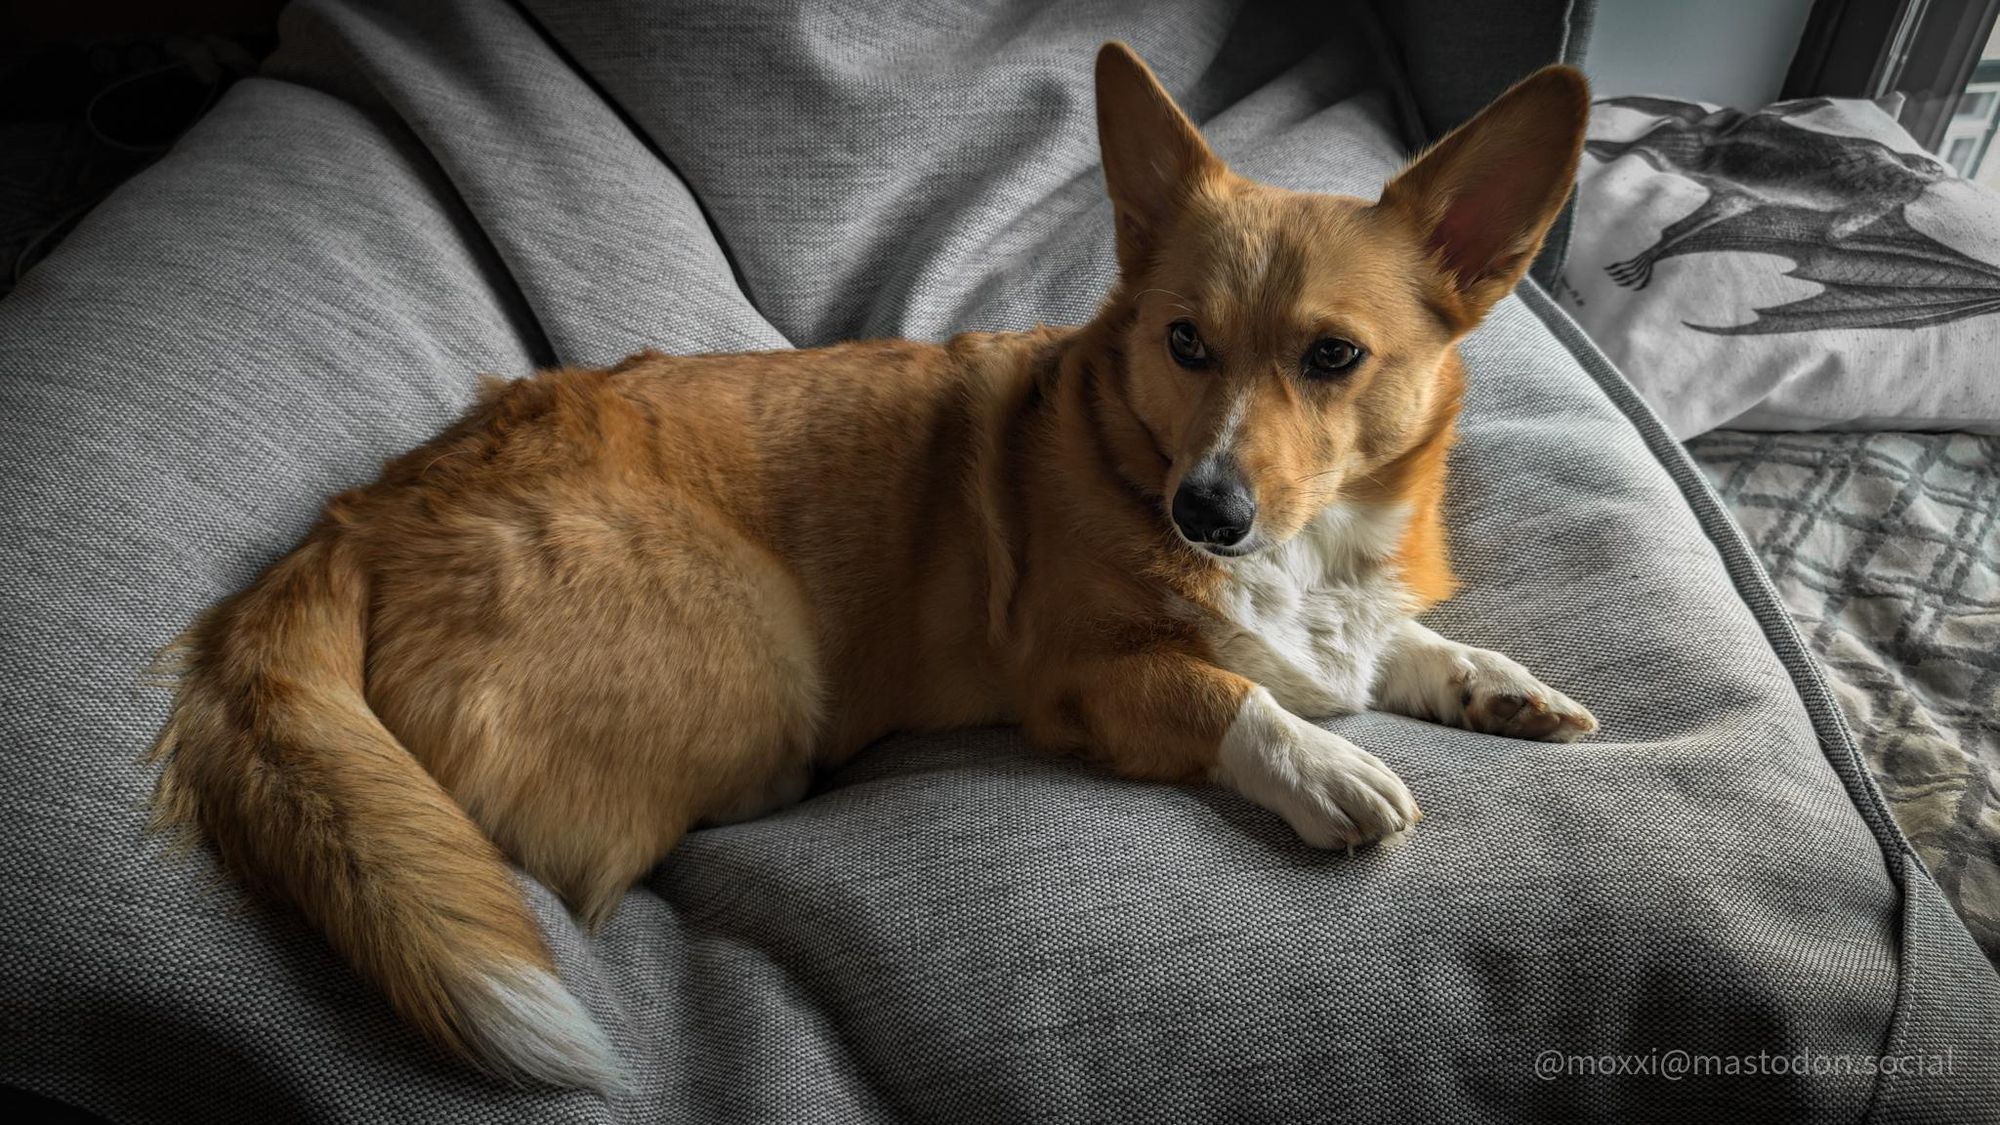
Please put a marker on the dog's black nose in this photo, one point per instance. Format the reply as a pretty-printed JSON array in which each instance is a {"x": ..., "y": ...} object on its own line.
[{"x": 1214, "y": 505}]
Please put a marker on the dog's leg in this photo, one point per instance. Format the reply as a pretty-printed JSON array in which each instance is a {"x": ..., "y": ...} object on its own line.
[
  {"x": 1173, "y": 717},
  {"x": 1427, "y": 676}
]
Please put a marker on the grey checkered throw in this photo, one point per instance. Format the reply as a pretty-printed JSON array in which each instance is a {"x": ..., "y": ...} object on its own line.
[{"x": 1886, "y": 548}]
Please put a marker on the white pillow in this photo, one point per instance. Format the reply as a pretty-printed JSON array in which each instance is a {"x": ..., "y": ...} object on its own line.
[{"x": 1803, "y": 267}]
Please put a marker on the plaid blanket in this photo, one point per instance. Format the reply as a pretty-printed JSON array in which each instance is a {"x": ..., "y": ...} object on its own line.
[{"x": 1886, "y": 548}]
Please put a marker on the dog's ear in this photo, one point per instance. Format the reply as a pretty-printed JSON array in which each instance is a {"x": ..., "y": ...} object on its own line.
[
  {"x": 1153, "y": 156},
  {"x": 1483, "y": 197}
]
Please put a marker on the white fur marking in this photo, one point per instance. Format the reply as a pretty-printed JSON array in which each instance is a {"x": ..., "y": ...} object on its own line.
[
  {"x": 527, "y": 1026},
  {"x": 1225, "y": 438},
  {"x": 1427, "y": 676},
  {"x": 1310, "y": 617},
  {"x": 1424, "y": 675},
  {"x": 1332, "y": 792}
]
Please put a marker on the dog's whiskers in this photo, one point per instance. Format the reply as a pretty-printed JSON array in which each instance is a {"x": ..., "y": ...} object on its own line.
[{"x": 1182, "y": 299}]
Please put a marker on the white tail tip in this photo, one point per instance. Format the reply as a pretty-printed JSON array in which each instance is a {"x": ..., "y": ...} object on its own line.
[{"x": 526, "y": 1026}]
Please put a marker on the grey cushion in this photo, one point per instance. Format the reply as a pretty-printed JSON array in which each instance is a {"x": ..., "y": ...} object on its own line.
[{"x": 950, "y": 928}]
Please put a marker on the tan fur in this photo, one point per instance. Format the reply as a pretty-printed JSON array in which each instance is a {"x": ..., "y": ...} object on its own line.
[{"x": 607, "y": 606}]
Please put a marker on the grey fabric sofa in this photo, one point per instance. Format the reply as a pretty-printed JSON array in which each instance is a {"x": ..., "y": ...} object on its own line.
[{"x": 950, "y": 928}]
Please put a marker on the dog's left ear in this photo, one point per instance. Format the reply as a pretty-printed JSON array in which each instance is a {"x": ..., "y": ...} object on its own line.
[
  {"x": 1153, "y": 155},
  {"x": 1483, "y": 197}
]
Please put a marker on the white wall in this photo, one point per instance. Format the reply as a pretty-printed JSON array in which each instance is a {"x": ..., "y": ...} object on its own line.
[{"x": 1734, "y": 52}]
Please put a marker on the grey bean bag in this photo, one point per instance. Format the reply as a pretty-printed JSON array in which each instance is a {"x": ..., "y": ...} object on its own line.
[{"x": 951, "y": 928}]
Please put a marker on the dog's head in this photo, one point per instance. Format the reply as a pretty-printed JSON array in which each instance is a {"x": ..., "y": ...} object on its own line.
[{"x": 1283, "y": 350}]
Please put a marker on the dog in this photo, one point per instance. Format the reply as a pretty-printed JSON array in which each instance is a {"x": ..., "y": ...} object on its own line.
[{"x": 607, "y": 606}]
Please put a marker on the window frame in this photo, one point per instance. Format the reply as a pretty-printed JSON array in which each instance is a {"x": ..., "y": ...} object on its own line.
[{"x": 1923, "y": 49}]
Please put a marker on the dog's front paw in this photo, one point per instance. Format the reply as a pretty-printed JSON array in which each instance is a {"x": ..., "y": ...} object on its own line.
[
  {"x": 1333, "y": 793},
  {"x": 1497, "y": 696}
]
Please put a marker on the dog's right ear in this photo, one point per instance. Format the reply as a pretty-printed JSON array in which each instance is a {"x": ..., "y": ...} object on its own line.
[{"x": 1153, "y": 155}]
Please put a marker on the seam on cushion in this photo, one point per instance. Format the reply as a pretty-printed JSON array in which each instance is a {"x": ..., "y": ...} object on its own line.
[
  {"x": 617, "y": 109},
  {"x": 1388, "y": 61},
  {"x": 397, "y": 132},
  {"x": 1754, "y": 586},
  {"x": 1745, "y": 573},
  {"x": 1577, "y": 19}
]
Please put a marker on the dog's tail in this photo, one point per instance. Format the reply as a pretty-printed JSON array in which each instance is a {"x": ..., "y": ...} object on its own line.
[{"x": 273, "y": 754}]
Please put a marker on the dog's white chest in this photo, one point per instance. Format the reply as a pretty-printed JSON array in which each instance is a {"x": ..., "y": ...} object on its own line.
[{"x": 1309, "y": 619}]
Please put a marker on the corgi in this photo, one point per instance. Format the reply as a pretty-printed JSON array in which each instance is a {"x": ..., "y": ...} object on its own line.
[{"x": 607, "y": 606}]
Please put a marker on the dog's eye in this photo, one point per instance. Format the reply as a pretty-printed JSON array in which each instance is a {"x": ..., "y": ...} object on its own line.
[
  {"x": 1332, "y": 356},
  {"x": 1185, "y": 344}
]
